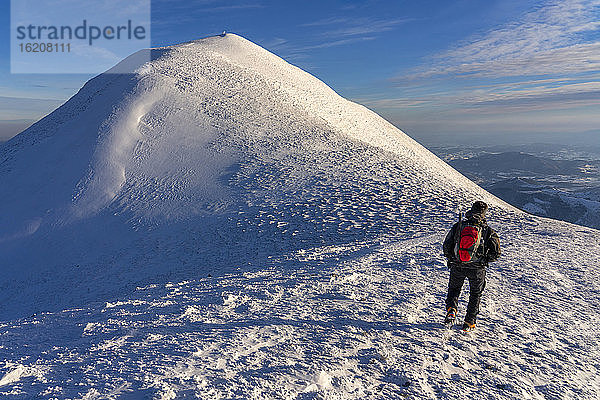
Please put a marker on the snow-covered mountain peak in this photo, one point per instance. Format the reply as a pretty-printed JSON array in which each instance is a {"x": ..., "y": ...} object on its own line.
[{"x": 159, "y": 141}]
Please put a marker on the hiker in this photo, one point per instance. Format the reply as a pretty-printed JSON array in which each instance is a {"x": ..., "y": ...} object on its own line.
[{"x": 469, "y": 246}]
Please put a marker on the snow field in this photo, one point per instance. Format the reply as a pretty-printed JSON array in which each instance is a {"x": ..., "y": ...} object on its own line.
[{"x": 335, "y": 323}]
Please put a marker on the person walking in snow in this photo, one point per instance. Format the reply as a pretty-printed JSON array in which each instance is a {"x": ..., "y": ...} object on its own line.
[{"x": 469, "y": 246}]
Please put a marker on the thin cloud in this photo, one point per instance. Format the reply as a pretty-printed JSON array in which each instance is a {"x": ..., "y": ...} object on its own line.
[
  {"x": 342, "y": 27},
  {"x": 392, "y": 103},
  {"x": 536, "y": 82},
  {"x": 337, "y": 43},
  {"x": 549, "y": 59},
  {"x": 549, "y": 40},
  {"x": 498, "y": 99},
  {"x": 365, "y": 27},
  {"x": 577, "y": 58},
  {"x": 332, "y": 32},
  {"x": 296, "y": 52},
  {"x": 584, "y": 89},
  {"x": 327, "y": 21},
  {"x": 275, "y": 43}
]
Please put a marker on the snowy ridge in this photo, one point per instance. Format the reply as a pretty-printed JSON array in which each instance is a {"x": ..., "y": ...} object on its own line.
[{"x": 221, "y": 224}]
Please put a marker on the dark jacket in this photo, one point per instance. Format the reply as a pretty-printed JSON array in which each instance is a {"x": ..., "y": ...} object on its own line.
[{"x": 488, "y": 250}]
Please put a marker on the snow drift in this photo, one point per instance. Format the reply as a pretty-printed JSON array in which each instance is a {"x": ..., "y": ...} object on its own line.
[{"x": 240, "y": 194}]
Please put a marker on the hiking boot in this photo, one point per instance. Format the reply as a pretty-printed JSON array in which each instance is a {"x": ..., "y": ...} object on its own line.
[
  {"x": 468, "y": 326},
  {"x": 450, "y": 316}
]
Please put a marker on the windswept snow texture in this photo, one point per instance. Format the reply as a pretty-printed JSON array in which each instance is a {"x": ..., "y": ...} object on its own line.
[{"x": 220, "y": 224}]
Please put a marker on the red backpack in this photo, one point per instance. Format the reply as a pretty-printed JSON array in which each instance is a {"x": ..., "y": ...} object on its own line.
[{"x": 468, "y": 241}]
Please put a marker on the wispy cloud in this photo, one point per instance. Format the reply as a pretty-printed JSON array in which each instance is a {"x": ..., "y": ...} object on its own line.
[
  {"x": 393, "y": 103},
  {"x": 327, "y": 21},
  {"x": 338, "y": 42},
  {"x": 364, "y": 27},
  {"x": 575, "y": 91},
  {"x": 523, "y": 96},
  {"x": 548, "y": 59},
  {"x": 332, "y": 32},
  {"x": 558, "y": 38},
  {"x": 344, "y": 27}
]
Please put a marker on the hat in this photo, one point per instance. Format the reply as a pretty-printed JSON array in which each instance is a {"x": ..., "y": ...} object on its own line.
[{"x": 479, "y": 207}]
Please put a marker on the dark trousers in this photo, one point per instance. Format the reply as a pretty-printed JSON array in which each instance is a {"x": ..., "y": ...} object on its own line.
[{"x": 476, "y": 278}]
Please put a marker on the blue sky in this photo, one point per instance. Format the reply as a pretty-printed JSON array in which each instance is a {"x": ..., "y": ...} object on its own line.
[{"x": 444, "y": 72}]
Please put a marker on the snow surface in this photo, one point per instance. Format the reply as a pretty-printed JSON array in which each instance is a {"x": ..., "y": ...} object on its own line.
[{"x": 220, "y": 224}]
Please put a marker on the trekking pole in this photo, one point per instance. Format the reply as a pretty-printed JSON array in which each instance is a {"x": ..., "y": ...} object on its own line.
[{"x": 457, "y": 234}]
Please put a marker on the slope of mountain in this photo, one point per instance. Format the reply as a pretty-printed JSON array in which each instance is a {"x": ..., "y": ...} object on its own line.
[{"x": 220, "y": 224}]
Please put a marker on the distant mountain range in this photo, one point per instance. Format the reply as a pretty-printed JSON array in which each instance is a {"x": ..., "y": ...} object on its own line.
[
  {"x": 514, "y": 161},
  {"x": 568, "y": 190}
]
